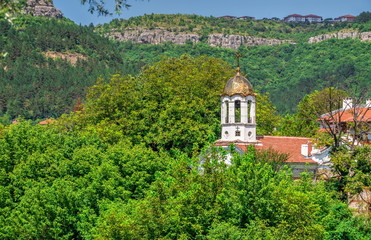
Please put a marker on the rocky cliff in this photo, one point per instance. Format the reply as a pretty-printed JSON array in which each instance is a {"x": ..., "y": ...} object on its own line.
[
  {"x": 234, "y": 41},
  {"x": 160, "y": 35},
  {"x": 364, "y": 36},
  {"x": 43, "y": 8},
  {"x": 156, "y": 36}
]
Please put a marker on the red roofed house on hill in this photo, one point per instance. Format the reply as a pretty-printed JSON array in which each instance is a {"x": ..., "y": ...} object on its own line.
[
  {"x": 345, "y": 18},
  {"x": 239, "y": 128},
  {"x": 294, "y": 18},
  {"x": 313, "y": 18},
  {"x": 227, "y": 17},
  {"x": 246, "y": 18},
  {"x": 300, "y": 18}
]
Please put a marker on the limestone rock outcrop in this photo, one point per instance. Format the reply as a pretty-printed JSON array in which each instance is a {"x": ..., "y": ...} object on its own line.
[
  {"x": 160, "y": 35},
  {"x": 364, "y": 36},
  {"x": 44, "y": 8},
  {"x": 156, "y": 36},
  {"x": 234, "y": 41}
]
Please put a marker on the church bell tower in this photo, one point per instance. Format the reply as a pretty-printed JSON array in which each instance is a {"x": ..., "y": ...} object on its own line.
[{"x": 238, "y": 105}]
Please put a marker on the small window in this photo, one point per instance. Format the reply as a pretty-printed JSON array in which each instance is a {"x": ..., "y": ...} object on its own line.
[{"x": 238, "y": 133}]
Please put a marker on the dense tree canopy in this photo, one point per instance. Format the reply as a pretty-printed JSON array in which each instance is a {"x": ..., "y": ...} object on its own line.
[
  {"x": 364, "y": 17},
  {"x": 63, "y": 184},
  {"x": 173, "y": 103}
]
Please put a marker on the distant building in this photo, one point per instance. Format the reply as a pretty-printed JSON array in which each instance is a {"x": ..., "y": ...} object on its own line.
[
  {"x": 227, "y": 17},
  {"x": 246, "y": 18},
  {"x": 300, "y": 18},
  {"x": 294, "y": 18},
  {"x": 313, "y": 18},
  {"x": 345, "y": 18}
]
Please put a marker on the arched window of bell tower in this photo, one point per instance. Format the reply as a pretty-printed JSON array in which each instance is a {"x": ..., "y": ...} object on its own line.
[
  {"x": 227, "y": 111},
  {"x": 237, "y": 108},
  {"x": 249, "y": 111}
]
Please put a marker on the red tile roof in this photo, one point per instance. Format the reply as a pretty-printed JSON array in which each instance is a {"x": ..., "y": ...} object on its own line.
[
  {"x": 290, "y": 145},
  {"x": 364, "y": 115},
  {"x": 347, "y": 16},
  {"x": 295, "y": 15},
  {"x": 311, "y": 15}
]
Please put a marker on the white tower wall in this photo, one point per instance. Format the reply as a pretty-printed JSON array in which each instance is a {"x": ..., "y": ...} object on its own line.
[{"x": 243, "y": 130}]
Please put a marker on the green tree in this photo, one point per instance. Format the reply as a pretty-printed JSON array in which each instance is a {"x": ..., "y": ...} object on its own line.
[
  {"x": 363, "y": 17},
  {"x": 11, "y": 7},
  {"x": 313, "y": 107},
  {"x": 267, "y": 119},
  {"x": 352, "y": 172},
  {"x": 54, "y": 184},
  {"x": 247, "y": 200},
  {"x": 171, "y": 104}
]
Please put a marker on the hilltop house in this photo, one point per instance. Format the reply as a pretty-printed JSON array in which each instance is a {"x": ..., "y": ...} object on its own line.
[
  {"x": 345, "y": 18},
  {"x": 238, "y": 120},
  {"x": 246, "y": 18},
  {"x": 294, "y": 18},
  {"x": 239, "y": 18},
  {"x": 227, "y": 17},
  {"x": 300, "y": 18}
]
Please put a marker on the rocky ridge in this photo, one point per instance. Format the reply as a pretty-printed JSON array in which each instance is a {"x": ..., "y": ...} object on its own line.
[
  {"x": 160, "y": 35},
  {"x": 44, "y": 8},
  {"x": 364, "y": 36}
]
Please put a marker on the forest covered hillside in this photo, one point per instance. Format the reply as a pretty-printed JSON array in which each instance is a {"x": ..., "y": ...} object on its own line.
[
  {"x": 46, "y": 64},
  {"x": 204, "y": 26}
]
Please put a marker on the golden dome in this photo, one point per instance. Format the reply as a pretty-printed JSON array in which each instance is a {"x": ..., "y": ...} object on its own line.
[{"x": 238, "y": 85}]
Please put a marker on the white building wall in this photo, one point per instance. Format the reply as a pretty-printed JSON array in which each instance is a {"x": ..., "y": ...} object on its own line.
[{"x": 322, "y": 156}]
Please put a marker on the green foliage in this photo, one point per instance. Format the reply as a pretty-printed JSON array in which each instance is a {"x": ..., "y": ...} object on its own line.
[
  {"x": 204, "y": 26},
  {"x": 248, "y": 200},
  {"x": 8, "y": 8},
  {"x": 320, "y": 102},
  {"x": 54, "y": 184},
  {"x": 266, "y": 116},
  {"x": 305, "y": 121},
  {"x": 173, "y": 103},
  {"x": 286, "y": 72},
  {"x": 363, "y": 17},
  {"x": 353, "y": 171},
  {"x": 35, "y": 86}
]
